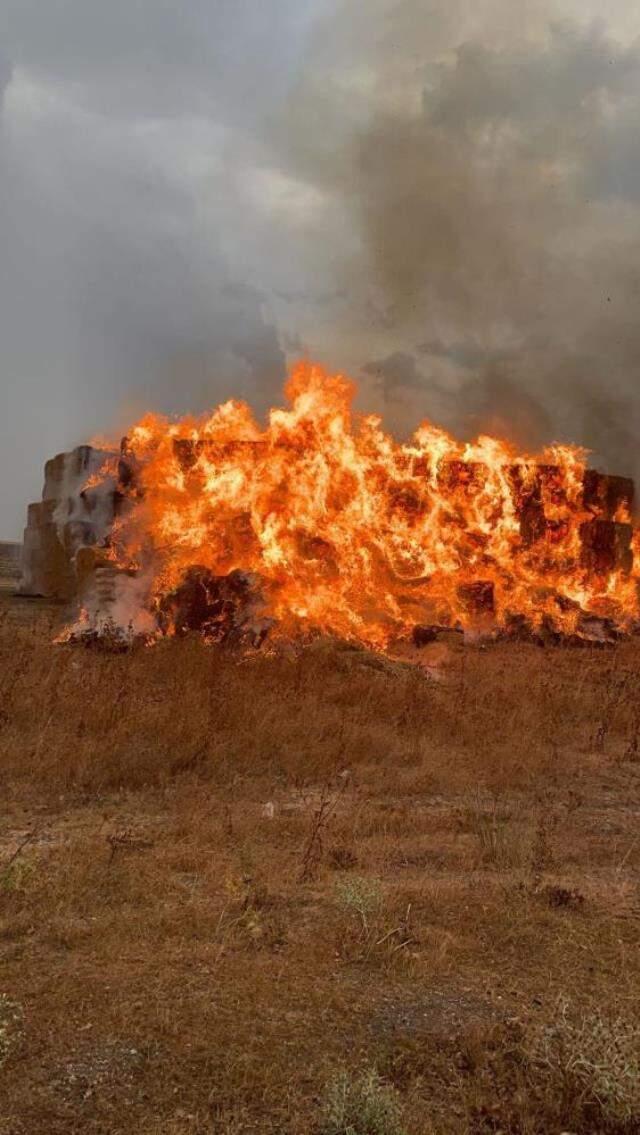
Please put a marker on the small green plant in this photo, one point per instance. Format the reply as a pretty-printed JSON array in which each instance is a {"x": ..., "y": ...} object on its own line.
[
  {"x": 361, "y": 895},
  {"x": 15, "y": 876},
  {"x": 360, "y": 1104},
  {"x": 10, "y": 1025},
  {"x": 596, "y": 1057},
  {"x": 370, "y": 928}
]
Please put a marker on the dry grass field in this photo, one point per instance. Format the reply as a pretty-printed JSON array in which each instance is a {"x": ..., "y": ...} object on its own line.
[{"x": 317, "y": 892}]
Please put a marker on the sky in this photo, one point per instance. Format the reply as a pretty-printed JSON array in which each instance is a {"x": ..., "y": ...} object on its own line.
[{"x": 442, "y": 199}]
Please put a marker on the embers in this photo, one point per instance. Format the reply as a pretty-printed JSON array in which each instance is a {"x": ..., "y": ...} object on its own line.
[
  {"x": 222, "y": 609},
  {"x": 606, "y": 546},
  {"x": 478, "y": 597},
  {"x": 532, "y": 489},
  {"x": 404, "y": 499},
  {"x": 468, "y": 476},
  {"x": 608, "y": 496}
]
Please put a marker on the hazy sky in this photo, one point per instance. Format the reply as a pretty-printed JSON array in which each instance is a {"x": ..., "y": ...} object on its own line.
[{"x": 442, "y": 198}]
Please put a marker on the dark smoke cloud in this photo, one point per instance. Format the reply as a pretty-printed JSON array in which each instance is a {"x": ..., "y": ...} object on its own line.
[
  {"x": 497, "y": 213},
  {"x": 442, "y": 197},
  {"x": 397, "y": 371}
]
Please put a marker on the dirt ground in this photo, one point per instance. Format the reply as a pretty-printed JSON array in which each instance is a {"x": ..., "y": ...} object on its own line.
[{"x": 316, "y": 890}]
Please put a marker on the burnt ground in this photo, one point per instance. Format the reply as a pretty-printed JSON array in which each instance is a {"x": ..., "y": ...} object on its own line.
[{"x": 226, "y": 880}]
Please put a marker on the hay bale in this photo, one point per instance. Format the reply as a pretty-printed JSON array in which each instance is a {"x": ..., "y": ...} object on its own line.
[
  {"x": 607, "y": 495},
  {"x": 606, "y": 546}
]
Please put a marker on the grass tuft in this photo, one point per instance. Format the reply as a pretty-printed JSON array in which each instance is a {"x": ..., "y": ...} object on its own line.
[{"x": 361, "y": 1104}]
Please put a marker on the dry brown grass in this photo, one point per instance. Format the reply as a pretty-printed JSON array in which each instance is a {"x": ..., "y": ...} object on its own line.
[{"x": 228, "y": 884}]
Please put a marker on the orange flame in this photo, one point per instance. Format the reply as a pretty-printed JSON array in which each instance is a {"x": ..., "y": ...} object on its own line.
[{"x": 358, "y": 535}]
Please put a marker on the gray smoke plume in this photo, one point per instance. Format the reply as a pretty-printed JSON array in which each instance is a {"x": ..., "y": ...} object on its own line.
[
  {"x": 441, "y": 198},
  {"x": 496, "y": 200}
]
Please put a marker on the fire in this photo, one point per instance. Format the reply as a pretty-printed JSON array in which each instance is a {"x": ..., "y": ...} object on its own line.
[{"x": 348, "y": 531}]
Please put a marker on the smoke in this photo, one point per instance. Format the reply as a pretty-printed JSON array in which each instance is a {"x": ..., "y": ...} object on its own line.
[
  {"x": 441, "y": 198},
  {"x": 494, "y": 188},
  {"x": 137, "y": 216}
]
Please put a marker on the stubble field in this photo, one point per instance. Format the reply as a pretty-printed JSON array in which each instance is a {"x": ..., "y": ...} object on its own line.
[{"x": 316, "y": 890}]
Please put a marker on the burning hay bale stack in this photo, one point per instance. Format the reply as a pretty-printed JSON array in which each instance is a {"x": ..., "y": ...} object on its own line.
[{"x": 322, "y": 523}]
